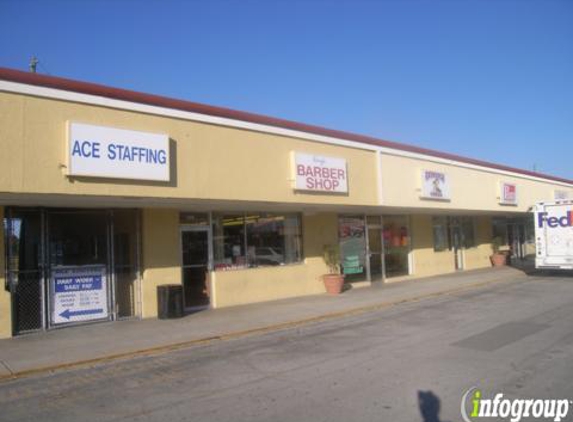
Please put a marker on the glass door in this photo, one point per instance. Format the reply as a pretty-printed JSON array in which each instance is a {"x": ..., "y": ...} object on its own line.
[
  {"x": 396, "y": 235},
  {"x": 456, "y": 242},
  {"x": 352, "y": 240},
  {"x": 195, "y": 266}
]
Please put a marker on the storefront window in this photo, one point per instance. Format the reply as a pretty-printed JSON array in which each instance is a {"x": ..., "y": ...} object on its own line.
[
  {"x": 499, "y": 226},
  {"x": 272, "y": 239},
  {"x": 229, "y": 250},
  {"x": 396, "y": 245},
  {"x": 440, "y": 229},
  {"x": 352, "y": 237},
  {"x": 256, "y": 240}
]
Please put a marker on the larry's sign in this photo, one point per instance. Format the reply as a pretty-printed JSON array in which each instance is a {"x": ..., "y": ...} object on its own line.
[
  {"x": 99, "y": 151},
  {"x": 435, "y": 185}
]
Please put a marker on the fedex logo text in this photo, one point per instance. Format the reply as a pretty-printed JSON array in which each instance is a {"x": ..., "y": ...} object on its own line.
[{"x": 565, "y": 221}]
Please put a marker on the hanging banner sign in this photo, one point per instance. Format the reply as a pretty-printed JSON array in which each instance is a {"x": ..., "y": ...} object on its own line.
[
  {"x": 319, "y": 174},
  {"x": 435, "y": 185},
  {"x": 78, "y": 294},
  {"x": 508, "y": 193},
  {"x": 99, "y": 151}
]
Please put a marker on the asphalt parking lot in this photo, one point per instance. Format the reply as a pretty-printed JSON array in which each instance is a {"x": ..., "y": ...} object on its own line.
[{"x": 411, "y": 362}]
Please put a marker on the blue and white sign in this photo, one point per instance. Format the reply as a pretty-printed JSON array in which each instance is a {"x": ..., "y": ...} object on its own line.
[
  {"x": 99, "y": 151},
  {"x": 78, "y": 294}
]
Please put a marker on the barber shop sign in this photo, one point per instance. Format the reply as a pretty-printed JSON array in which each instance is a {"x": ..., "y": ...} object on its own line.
[{"x": 319, "y": 174}]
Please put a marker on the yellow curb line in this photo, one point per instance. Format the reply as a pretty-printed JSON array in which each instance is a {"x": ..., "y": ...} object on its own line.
[{"x": 238, "y": 334}]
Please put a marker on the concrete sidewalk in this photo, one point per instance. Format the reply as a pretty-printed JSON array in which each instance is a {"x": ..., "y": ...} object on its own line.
[{"x": 89, "y": 344}]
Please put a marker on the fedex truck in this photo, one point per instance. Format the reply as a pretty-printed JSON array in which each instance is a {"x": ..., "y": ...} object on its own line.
[{"x": 554, "y": 234}]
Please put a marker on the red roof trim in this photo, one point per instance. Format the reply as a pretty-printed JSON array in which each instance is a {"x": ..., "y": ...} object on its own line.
[{"x": 156, "y": 100}]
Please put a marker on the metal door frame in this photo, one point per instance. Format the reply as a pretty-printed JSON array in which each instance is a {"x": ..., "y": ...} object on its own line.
[
  {"x": 10, "y": 286},
  {"x": 44, "y": 266},
  {"x": 191, "y": 228},
  {"x": 454, "y": 223},
  {"x": 380, "y": 227},
  {"x": 518, "y": 233}
]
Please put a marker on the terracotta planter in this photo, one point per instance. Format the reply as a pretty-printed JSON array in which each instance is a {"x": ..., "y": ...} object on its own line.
[
  {"x": 333, "y": 283},
  {"x": 498, "y": 259}
]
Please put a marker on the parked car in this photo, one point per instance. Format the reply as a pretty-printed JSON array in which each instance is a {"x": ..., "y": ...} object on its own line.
[{"x": 268, "y": 256}]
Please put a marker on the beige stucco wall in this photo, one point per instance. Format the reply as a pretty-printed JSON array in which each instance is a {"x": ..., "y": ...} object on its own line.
[
  {"x": 426, "y": 261},
  {"x": 210, "y": 162},
  {"x": 478, "y": 256},
  {"x": 470, "y": 189},
  {"x": 5, "y": 302},
  {"x": 161, "y": 255},
  {"x": 270, "y": 283}
]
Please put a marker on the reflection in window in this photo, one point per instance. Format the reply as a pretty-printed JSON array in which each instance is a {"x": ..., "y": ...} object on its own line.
[
  {"x": 499, "y": 227},
  {"x": 229, "y": 249},
  {"x": 272, "y": 239},
  {"x": 440, "y": 229},
  {"x": 256, "y": 240}
]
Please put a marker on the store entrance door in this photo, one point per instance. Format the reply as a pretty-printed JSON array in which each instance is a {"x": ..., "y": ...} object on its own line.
[
  {"x": 456, "y": 242},
  {"x": 195, "y": 266},
  {"x": 516, "y": 240},
  {"x": 376, "y": 261}
]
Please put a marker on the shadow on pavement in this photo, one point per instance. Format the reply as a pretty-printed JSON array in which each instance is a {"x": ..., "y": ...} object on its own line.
[{"x": 429, "y": 405}]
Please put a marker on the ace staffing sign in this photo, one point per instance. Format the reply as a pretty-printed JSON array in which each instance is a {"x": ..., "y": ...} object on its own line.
[
  {"x": 78, "y": 294},
  {"x": 99, "y": 151},
  {"x": 317, "y": 173}
]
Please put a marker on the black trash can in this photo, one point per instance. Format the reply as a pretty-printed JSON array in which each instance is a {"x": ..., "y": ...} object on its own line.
[{"x": 170, "y": 301}]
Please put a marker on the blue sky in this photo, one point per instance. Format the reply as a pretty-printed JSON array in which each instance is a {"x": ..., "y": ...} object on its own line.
[{"x": 488, "y": 79}]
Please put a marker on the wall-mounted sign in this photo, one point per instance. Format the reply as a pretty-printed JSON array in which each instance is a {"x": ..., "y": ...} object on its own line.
[
  {"x": 560, "y": 195},
  {"x": 319, "y": 174},
  {"x": 507, "y": 193},
  {"x": 78, "y": 294},
  {"x": 99, "y": 151},
  {"x": 435, "y": 185}
]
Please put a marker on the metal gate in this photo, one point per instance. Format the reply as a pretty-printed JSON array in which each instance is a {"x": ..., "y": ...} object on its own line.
[
  {"x": 44, "y": 246},
  {"x": 25, "y": 268}
]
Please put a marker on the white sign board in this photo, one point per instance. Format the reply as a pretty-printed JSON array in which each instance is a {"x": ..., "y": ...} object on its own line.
[
  {"x": 78, "y": 294},
  {"x": 99, "y": 151},
  {"x": 319, "y": 174},
  {"x": 435, "y": 185},
  {"x": 507, "y": 193}
]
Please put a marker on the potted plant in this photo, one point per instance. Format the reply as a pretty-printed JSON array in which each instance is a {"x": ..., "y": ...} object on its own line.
[
  {"x": 498, "y": 259},
  {"x": 333, "y": 281}
]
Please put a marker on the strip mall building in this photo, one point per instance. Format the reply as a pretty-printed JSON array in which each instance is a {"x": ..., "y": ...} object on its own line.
[{"x": 106, "y": 194}]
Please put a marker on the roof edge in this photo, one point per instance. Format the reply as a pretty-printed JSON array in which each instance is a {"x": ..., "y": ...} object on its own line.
[{"x": 90, "y": 88}]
